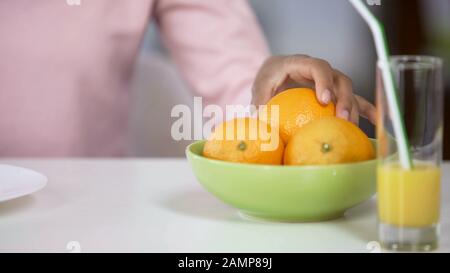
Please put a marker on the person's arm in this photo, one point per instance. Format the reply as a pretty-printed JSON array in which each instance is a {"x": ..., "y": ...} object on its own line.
[{"x": 218, "y": 46}]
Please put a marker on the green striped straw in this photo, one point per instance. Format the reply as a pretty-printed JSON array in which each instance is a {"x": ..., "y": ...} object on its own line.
[{"x": 388, "y": 80}]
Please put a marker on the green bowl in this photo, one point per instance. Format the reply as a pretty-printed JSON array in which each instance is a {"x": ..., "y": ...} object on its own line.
[{"x": 285, "y": 193}]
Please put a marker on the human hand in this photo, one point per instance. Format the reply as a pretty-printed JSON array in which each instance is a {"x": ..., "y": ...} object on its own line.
[{"x": 279, "y": 73}]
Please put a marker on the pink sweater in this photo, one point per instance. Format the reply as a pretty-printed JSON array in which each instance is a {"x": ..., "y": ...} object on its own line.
[{"x": 65, "y": 70}]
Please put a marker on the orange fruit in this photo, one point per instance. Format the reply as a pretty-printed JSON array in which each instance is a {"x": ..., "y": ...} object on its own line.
[
  {"x": 328, "y": 141},
  {"x": 297, "y": 107},
  {"x": 239, "y": 140}
]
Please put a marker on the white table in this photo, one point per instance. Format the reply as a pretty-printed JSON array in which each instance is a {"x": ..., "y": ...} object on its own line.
[{"x": 158, "y": 206}]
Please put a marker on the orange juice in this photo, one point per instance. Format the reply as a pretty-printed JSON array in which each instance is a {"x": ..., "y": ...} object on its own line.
[{"x": 409, "y": 198}]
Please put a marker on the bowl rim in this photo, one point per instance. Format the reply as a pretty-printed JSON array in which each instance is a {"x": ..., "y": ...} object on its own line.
[{"x": 273, "y": 167}]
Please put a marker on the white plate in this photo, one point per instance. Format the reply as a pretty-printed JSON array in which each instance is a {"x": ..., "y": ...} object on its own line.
[{"x": 16, "y": 182}]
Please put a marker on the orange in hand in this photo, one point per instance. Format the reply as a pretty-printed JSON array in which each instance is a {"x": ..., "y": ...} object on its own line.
[{"x": 297, "y": 107}]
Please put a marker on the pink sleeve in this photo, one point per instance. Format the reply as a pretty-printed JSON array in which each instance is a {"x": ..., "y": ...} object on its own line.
[{"x": 217, "y": 44}]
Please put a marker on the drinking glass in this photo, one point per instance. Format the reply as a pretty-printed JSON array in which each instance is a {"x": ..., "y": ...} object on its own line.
[{"x": 409, "y": 199}]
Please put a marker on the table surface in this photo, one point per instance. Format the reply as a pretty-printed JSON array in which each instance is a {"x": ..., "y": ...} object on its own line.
[{"x": 156, "y": 205}]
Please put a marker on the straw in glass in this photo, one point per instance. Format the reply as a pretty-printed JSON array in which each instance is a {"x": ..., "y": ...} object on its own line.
[{"x": 388, "y": 80}]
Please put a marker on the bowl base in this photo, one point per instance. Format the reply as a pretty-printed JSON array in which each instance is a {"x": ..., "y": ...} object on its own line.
[{"x": 262, "y": 218}]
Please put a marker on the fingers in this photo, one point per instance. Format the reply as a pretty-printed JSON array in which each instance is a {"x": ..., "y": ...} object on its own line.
[
  {"x": 354, "y": 104},
  {"x": 261, "y": 98},
  {"x": 366, "y": 109},
  {"x": 344, "y": 94},
  {"x": 268, "y": 80},
  {"x": 354, "y": 114},
  {"x": 330, "y": 85},
  {"x": 301, "y": 68}
]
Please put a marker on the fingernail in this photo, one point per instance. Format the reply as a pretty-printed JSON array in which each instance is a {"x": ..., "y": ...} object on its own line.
[
  {"x": 326, "y": 96},
  {"x": 345, "y": 115}
]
